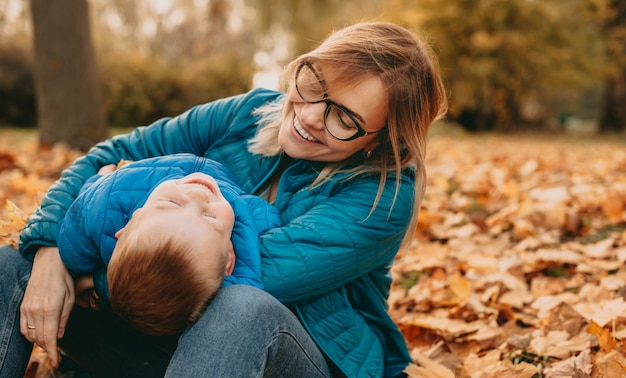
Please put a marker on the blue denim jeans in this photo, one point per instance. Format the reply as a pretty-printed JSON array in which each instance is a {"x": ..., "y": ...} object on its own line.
[
  {"x": 14, "y": 348},
  {"x": 245, "y": 332}
]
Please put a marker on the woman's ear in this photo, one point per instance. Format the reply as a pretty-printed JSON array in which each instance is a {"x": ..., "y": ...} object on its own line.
[{"x": 371, "y": 146}]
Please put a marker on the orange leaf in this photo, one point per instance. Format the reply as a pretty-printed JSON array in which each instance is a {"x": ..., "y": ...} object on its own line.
[{"x": 606, "y": 342}]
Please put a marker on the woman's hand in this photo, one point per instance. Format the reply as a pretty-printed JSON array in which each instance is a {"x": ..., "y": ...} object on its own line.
[{"x": 48, "y": 301}]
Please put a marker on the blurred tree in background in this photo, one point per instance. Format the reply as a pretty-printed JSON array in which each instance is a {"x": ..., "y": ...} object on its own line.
[
  {"x": 508, "y": 64},
  {"x": 69, "y": 101},
  {"x": 300, "y": 25},
  {"x": 17, "y": 88},
  {"x": 611, "y": 15},
  {"x": 161, "y": 60}
]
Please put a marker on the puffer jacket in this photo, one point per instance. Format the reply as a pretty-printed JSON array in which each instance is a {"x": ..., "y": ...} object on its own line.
[
  {"x": 329, "y": 261},
  {"x": 105, "y": 204}
]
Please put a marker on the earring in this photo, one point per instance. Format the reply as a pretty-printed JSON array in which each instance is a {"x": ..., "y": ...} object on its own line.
[{"x": 367, "y": 154}]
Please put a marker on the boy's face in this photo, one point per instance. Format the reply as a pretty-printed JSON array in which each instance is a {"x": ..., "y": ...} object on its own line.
[{"x": 191, "y": 208}]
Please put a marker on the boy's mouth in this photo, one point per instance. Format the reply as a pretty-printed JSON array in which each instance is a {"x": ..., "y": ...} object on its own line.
[{"x": 206, "y": 184}]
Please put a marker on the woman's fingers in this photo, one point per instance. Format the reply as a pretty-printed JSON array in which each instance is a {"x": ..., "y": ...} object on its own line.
[{"x": 48, "y": 301}]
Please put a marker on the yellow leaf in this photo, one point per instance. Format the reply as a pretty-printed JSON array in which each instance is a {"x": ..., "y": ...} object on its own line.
[
  {"x": 10, "y": 231},
  {"x": 427, "y": 368},
  {"x": 460, "y": 287}
]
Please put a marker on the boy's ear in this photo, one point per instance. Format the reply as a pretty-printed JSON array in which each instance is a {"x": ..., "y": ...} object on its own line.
[
  {"x": 119, "y": 232},
  {"x": 230, "y": 262}
]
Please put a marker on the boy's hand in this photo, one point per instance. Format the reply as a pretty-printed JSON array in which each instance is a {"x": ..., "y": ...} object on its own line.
[
  {"x": 105, "y": 170},
  {"x": 109, "y": 168}
]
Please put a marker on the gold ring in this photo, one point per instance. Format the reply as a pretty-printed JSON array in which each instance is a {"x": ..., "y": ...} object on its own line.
[{"x": 30, "y": 327}]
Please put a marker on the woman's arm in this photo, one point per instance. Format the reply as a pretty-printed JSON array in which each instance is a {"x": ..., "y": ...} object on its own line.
[
  {"x": 192, "y": 132},
  {"x": 336, "y": 240}
]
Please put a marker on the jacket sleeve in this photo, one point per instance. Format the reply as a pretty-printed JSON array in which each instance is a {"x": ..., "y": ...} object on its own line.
[
  {"x": 77, "y": 238},
  {"x": 336, "y": 240},
  {"x": 192, "y": 132}
]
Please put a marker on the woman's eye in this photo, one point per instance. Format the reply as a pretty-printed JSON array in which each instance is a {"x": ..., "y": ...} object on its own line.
[
  {"x": 346, "y": 122},
  {"x": 348, "y": 125}
]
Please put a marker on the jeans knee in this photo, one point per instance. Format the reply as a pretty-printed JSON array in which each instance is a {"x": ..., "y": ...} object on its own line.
[
  {"x": 243, "y": 304},
  {"x": 249, "y": 295},
  {"x": 14, "y": 268}
]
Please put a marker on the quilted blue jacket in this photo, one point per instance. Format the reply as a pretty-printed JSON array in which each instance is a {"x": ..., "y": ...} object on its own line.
[
  {"x": 105, "y": 204},
  {"x": 329, "y": 261}
]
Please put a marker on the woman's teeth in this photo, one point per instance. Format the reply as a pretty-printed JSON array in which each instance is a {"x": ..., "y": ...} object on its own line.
[{"x": 303, "y": 132}]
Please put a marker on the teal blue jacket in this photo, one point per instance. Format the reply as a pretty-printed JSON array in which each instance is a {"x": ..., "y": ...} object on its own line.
[{"x": 330, "y": 261}]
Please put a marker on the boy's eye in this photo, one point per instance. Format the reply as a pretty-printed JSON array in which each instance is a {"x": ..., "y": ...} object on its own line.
[
  {"x": 174, "y": 202},
  {"x": 209, "y": 215}
]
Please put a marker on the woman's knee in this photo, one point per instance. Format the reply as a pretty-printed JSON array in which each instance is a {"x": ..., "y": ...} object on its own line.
[
  {"x": 249, "y": 323},
  {"x": 238, "y": 308},
  {"x": 14, "y": 268},
  {"x": 250, "y": 302}
]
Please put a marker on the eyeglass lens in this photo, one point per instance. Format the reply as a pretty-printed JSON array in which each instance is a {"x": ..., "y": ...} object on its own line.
[{"x": 311, "y": 88}]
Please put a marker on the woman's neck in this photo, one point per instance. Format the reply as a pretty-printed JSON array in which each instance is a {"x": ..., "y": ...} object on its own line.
[{"x": 285, "y": 162}]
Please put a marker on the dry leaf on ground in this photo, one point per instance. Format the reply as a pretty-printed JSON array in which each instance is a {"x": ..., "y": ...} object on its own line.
[{"x": 517, "y": 269}]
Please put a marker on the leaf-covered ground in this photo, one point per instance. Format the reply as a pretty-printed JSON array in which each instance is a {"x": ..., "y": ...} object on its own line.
[{"x": 517, "y": 269}]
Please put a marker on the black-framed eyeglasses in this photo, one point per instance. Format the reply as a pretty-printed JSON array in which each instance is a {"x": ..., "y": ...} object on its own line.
[{"x": 339, "y": 121}]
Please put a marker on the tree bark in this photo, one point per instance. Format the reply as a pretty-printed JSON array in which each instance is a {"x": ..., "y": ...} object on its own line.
[
  {"x": 613, "y": 118},
  {"x": 69, "y": 100}
]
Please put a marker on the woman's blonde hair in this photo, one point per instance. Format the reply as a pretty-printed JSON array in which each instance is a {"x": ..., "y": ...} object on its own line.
[{"x": 416, "y": 97}]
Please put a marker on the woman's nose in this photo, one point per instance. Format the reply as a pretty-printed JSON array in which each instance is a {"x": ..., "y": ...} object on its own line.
[{"x": 312, "y": 115}]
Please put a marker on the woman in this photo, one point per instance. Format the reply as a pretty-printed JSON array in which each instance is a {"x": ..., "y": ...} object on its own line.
[{"x": 340, "y": 155}]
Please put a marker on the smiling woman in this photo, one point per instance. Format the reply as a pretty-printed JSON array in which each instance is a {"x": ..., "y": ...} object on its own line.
[{"x": 360, "y": 148}]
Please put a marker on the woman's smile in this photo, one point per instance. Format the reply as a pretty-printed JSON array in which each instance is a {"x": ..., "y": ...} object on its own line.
[{"x": 302, "y": 132}]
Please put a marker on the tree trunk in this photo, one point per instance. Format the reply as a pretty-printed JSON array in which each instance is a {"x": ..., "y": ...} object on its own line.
[
  {"x": 614, "y": 105},
  {"x": 69, "y": 99},
  {"x": 613, "y": 118}
]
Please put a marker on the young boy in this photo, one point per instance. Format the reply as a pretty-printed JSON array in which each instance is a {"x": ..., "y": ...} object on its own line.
[{"x": 166, "y": 229}]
